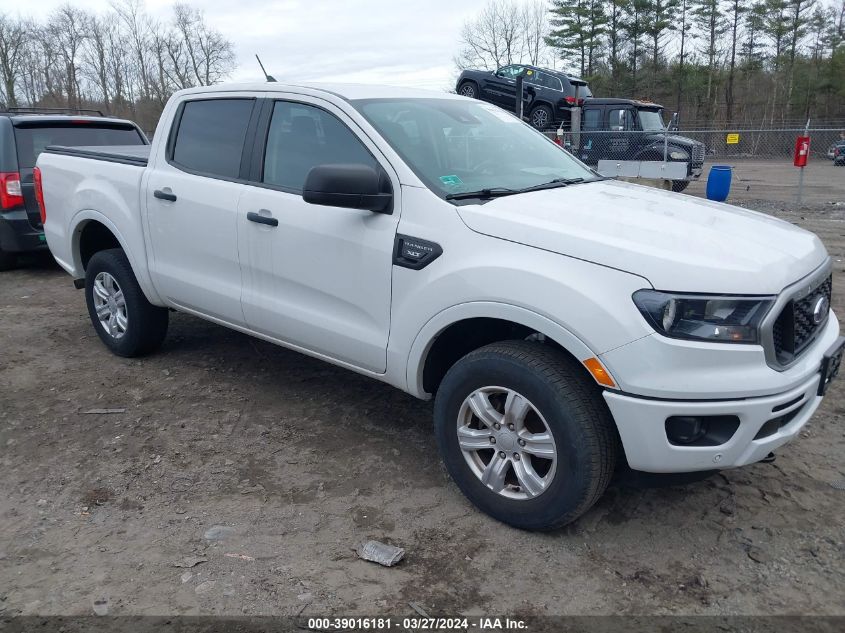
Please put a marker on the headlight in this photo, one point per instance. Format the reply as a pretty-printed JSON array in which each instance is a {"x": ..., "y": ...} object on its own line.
[
  {"x": 678, "y": 155},
  {"x": 703, "y": 317}
]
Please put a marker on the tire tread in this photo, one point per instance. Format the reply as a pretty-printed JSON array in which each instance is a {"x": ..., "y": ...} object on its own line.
[{"x": 565, "y": 375}]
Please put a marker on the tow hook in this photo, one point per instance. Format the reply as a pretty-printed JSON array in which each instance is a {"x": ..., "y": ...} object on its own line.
[{"x": 769, "y": 459}]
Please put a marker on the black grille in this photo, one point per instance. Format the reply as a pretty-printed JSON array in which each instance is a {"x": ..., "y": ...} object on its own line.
[
  {"x": 698, "y": 154},
  {"x": 794, "y": 329}
]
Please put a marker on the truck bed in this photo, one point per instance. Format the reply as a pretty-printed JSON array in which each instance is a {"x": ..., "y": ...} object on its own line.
[{"x": 125, "y": 154}]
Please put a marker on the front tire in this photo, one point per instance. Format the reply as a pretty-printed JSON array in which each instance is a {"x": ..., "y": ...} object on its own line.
[
  {"x": 525, "y": 434},
  {"x": 125, "y": 321},
  {"x": 542, "y": 117},
  {"x": 679, "y": 185}
]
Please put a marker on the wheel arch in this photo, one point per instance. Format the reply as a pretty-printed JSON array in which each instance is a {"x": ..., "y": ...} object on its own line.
[
  {"x": 458, "y": 330},
  {"x": 537, "y": 103},
  {"x": 93, "y": 232}
]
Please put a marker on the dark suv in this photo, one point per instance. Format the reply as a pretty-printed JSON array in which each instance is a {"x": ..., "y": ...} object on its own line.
[
  {"x": 24, "y": 133},
  {"x": 548, "y": 94}
]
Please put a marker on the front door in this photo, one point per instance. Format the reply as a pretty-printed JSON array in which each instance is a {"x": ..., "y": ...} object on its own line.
[
  {"x": 317, "y": 278},
  {"x": 622, "y": 140}
]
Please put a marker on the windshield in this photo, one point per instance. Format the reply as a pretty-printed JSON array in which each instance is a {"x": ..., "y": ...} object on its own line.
[
  {"x": 652, "y": 120},
  {"x": 458, "y": 146}
]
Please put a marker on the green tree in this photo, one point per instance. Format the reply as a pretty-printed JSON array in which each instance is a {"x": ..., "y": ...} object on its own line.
[
  {"x": 577, "y": 29},
  {"x": 684, "y": 26},
  {"x": 615, "y": 19},
  {"x": 634, "y": 26},
  {"x": 708, "y": 18},
  {"x": 735, "y": 10},
  {"x": 660, "y": 19},
  {"x": 798, "y": 16}
]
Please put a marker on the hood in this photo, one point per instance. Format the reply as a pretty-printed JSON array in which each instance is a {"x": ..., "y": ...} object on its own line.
[
  {"x": 677, "y": 242},
  {"x": 673, "y": 139}
]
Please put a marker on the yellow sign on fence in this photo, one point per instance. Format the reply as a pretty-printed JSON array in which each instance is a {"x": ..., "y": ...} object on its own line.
[{"x": 733, "y": 139}]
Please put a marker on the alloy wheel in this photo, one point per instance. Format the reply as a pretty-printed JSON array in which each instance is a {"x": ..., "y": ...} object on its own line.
[
  {"x": 506, "y": 442},
  {"x": 110, "y": 305}
]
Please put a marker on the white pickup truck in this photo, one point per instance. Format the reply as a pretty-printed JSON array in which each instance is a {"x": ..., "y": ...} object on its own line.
[{"x": 562, "y": 321}]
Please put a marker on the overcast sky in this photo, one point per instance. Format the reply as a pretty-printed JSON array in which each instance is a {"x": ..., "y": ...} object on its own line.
[{"x": 400, "y": 42}]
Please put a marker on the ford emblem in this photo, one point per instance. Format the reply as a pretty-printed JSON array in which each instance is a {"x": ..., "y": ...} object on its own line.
[{"x": 820, "y": 309}]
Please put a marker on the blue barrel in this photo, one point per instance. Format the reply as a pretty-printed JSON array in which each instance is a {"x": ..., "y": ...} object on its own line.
[{"x": 719, "y": 183}]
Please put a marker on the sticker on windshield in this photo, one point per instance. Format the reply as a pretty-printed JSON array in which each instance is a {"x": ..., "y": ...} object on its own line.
[
  {"x": 500, "y": 114},
  {"x": 451, "y": 181}
]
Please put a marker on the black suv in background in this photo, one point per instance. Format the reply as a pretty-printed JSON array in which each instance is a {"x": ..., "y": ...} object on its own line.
[
  {"x": 548, "y": 94},
  {"x": 24, "y": 133}
]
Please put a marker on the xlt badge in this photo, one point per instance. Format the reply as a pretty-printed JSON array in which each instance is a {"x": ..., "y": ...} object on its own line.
[{"x": 414, "y": 253}]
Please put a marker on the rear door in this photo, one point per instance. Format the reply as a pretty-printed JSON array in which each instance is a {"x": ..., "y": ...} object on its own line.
[
  {"x": 33, "y": 135},
  {"x": 191, "y": 195}
]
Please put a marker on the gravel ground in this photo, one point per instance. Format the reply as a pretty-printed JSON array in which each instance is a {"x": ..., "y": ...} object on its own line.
[{"x": 236, "y": 477}]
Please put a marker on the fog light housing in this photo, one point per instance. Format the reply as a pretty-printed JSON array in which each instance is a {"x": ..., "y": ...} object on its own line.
[
  {"x": 685, "y": 429},
  {"x": 700, "y": 430}
]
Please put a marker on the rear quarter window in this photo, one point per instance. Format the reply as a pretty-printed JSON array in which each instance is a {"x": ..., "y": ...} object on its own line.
[{"x": 31, "y": 140}]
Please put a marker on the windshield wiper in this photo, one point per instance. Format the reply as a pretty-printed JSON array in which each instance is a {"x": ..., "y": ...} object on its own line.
[
  {"x": 491, "y": 192},
  {"x": 557, "y": 182},
  {"x": 496, "y": 192}
]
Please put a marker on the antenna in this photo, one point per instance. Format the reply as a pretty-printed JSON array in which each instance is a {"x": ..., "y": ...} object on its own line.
[{"x": 269, "y": 78}]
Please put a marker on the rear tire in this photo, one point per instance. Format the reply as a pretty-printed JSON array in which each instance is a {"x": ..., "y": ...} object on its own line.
[
  {"x": 679, "y": 185},
  {"x": 562, "y": 402},
  {"x": 125, "y": 321},
  {"x": 468, "y": 89}
]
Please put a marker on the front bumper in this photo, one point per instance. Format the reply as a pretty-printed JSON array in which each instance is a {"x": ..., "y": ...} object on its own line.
[
  {"x": 641, "y": 424},
  {"x": 17, "y": 234}
]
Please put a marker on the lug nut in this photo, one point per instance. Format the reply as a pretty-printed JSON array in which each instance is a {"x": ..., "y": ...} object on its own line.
[
  {"x": 521, "y": 442},
  {"x": 516, "y": 457},
  {"x": 492, "y": 440},
  {"x": 511, "y": 427},
  {"x": 502, "y": 454},
  {"x": 497, "y": 426}
]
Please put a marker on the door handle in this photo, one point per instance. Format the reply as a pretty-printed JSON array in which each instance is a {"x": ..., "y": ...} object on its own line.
[
  {"x": 163, "y": 195},
  {"x": 261, "y": 219}
]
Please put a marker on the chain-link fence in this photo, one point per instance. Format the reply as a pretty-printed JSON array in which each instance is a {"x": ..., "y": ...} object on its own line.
[{"x": 761, "y": 160}]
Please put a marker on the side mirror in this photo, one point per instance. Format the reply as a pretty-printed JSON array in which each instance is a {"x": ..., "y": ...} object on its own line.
[
  {"x": 673, "y": 124},
  {"x": 351, "y": 186}
]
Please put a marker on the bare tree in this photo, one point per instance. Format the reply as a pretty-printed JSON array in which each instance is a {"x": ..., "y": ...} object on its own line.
[
  {"x": 68, "y": 28},
  {"x": 494, "y": 38},
  {"x": 535, "y": 28},
  {"x": 135, "y": 28},
  {"x": 13, "y": 35}
]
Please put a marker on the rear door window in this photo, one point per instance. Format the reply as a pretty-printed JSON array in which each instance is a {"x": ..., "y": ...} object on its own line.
[
  {"x": 548, "y": 81},
  {"x": 32, "y": 139},
  {"x": 211, "y": 134}
]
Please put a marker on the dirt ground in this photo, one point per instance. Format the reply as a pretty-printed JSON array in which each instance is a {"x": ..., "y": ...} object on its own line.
[
  {"x": 777, "y": 180},
  {"x": 237, "y": 477}
]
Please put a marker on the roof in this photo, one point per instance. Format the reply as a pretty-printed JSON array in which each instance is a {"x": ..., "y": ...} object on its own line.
[
  {"x": 560, "y": 73},
  {"x": 39, "y": 119},
  {"x": 348, "y": 92},
  {"x": 618, "y": 101}
]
